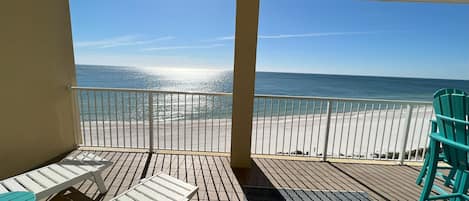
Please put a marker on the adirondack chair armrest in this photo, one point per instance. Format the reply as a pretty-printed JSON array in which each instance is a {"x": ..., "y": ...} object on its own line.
[
  {"x": 438, "y": 137},
  {"x": 446, "y": 118}
]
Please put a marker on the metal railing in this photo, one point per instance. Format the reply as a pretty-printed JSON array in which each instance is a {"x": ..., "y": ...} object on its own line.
[
  {"x": 341, "y": 127},
  {"x": 282, "y": 125},
  {"x": 134, "y": 118}
]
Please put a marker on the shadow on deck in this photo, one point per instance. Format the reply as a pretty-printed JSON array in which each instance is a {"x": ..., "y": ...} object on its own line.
[{"x": 268, "y": 179}]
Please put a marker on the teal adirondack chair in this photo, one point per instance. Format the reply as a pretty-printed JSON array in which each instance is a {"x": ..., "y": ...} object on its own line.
[
  {"x": 452, "y": 113},
  {"x": 441, "y": 157}
]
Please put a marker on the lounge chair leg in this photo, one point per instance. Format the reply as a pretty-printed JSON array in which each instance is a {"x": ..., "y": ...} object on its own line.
[{"x": 100, "y": 182}]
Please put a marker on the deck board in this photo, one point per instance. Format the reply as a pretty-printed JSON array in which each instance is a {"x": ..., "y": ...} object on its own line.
[{"x": 294, "y": 179}]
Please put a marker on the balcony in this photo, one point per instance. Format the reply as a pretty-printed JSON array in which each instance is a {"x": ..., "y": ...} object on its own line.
[
  {"x": 371, "y": 147},
  {"x": 270, "y": 178}
]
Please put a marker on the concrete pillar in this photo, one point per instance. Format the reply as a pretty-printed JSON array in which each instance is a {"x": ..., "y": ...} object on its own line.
[{"x": 247, "y": 15}]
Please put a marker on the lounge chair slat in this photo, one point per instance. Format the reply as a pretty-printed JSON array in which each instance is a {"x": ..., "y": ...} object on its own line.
[
  {"x": 170, "y": 185},
  {"x": 176, "y": 181},
  {"x": 52, "y": 175},
  {"x": 151, "y": 192},
  {"x": 29, "y": 183},
  {"x": 3, "y": 189},
  {"x": 86, "y": 156},
  {"x": 154, "y": 185},
  {"x": 13, "y": 185},
  {"x": 62, "y": 171},
  {"x": 39, "y": 178},
  {"x": 125, "y": 198},
  {"x": 74, "y": 168},
  {"x": 138, "y": 196}
]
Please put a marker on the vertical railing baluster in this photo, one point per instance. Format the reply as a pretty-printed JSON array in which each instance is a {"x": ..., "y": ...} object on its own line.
[
  {"x": 198, "y": 125},
  {"x": 143, "y": 120},
  {"x": 348, "y": 129},
  {"x": 384, "y": 131},
  {"x": 335, "y": 127},
  {"x": 278, "y": 124},
  {"x": 171, "y": 121},
  {"x": 284, "y": 125},
  {"x": 136, "y": 118},
  {"x": 292, "y": 122},
  {"x": 306, "y": 126},
  {"x": 192, "y": 120},
  {"x": 157, "y": 119},
  {"x": 150, "y": 121},
  {"x": 421, "y": 131},
  {"x": 102, "y": 116},
  {"x": 96, "y": 118},
  {"x": 129, "y": 105},
  {"x": 205, "y": 123},
  {"x": 356, "y": 131},
  {"x": 117, "y": 118},
  {"x": 299, "y": 124},
  {"x": 263, "y": 128},
  {"x": 177, "y": 122},
  {"x": 397, "y": 132},
  {"x": 406, "y": 134},
  {"x": 342, "y": 126},
  {"x": 369, "y": 131},
  {"x": 363, "y": 133},
  {"x": 390, "y": 132},
  {"x": 164, "y": 121},
  {"x": 328, "y": 125},
  {"x": 319, "y": 127},
  {"x": 123, "y": 118},
  {"x": 211, "y": 117},
  {"x": 185, "y": 121},
  {"x": 270, "y": 127},
  {"x": 414, "y": 130},
  {"x": 312, "y": 130},
  {"x": 89, "y": 117},
  {"x": 427, "y": 135},
  {"x": 376, "y": 132},
  {"x": 109, "y": 116},
  {"x": 82, "y": 117}
]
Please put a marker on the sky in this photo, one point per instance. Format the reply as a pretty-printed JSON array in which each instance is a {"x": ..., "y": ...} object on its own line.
[{"x": 353, "y": 37}]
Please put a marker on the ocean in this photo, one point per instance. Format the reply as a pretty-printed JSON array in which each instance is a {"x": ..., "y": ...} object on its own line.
[
  {"x": 269, "y": 83},
  {"x": 280, "y": 125}
]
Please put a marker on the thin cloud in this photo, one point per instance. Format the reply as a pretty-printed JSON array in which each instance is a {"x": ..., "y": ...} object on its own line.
[
  {"x": 183, "y": 47},
  {"x": 129, "y": 40},
  {"x": 305, "y": 35}
]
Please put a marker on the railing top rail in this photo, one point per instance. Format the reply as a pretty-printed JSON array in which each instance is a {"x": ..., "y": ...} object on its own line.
[
  {"x": 361, "y": 100},
  {"x": 149, "y": 90}
]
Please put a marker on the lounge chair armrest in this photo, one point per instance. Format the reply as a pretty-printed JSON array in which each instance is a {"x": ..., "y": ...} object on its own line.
[{"x": 437, "y": 137}]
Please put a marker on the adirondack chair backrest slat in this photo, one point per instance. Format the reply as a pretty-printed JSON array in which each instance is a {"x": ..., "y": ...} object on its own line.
[{"x": 453, "y": 104}]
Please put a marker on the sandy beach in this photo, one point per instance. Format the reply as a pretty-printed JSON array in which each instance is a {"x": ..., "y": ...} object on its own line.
[{"x": 351, "y": 134}]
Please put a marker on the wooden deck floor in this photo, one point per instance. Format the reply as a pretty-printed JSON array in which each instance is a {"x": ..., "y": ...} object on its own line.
[{"x": 268, "y": 179}]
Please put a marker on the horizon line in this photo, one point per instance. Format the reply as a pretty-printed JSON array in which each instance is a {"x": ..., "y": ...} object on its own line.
[{"x": 316, "y": 73}]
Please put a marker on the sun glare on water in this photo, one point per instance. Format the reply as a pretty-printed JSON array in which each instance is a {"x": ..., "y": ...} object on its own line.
[{"x": 187, "y": 79}]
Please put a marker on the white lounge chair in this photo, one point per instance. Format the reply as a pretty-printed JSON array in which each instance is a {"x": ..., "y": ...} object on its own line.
[
  {"x": 56, "y": 177},
  {"x": 161, "y": 187}
]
